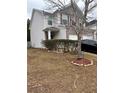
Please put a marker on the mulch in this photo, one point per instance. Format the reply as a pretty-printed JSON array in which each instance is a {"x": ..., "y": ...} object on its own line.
[{"x": 82, "y": 62}]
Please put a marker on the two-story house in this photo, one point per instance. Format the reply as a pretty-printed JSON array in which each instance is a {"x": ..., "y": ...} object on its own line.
[{"x": 46, "y": 26}]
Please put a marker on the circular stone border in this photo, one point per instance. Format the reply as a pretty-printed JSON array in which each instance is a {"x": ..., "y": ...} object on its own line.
[{"x": 81, "y": 64}]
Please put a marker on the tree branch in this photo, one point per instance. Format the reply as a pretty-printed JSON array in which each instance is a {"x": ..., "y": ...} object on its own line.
[
  {"x": 92, "y": 7},
  {"x": 61, "y": 3},
  {"x": 90, "y": 1},
  {"x": 55, "y": 3}
]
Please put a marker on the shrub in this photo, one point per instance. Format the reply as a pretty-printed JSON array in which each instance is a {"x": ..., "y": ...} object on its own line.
[
  {"x": 64, "y": 45},
  {"x": 50, "y": 44}
]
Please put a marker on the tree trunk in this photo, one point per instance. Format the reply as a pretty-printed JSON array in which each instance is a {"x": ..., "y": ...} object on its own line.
[{"x": 80, "y": 55}]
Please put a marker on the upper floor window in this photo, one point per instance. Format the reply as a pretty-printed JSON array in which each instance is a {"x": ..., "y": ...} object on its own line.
[
  {"x": 63, "y": 19},
  {"x": 49, "y": 20},
  {"x": 64, "y": 22}
]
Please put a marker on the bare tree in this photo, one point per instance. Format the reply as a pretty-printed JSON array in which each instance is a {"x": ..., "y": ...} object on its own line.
[{"x": 79, "y": 25}]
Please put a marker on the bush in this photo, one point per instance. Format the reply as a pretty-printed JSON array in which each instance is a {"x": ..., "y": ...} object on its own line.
[
  {"x": 50, "y": 44},
  {"x": 63, "y": 45}
]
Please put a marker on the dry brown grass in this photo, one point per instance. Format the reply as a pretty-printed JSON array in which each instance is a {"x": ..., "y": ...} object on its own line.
[{"x": 54, "y": 73}]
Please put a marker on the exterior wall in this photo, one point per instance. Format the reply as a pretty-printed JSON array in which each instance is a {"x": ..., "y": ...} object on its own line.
[
  {"x": 73, "y": 37},
  {"x": 71, "y": 34},
  {"x": 45, "y": 20},
  {"x": 40, "y": 22},
  {"x": 95, "y": 36},
  {"x": 61, "y": 34},
  {"x": 36, "y": 30},
  {"x": 93, "y": 27},
  {"x": 57, "y": 21}
]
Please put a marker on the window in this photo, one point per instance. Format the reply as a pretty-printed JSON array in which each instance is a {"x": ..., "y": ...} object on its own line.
[
  {"x": 64, "y": 21},
  {"x": 49, "y": 20},
  {"x": 60, "y": 18}
]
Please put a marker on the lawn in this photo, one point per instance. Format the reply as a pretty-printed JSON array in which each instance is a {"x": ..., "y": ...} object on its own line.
[{"x": 49, "y": 72}]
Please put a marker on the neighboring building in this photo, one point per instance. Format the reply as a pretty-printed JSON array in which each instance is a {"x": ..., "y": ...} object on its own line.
[
  {"x": 46, "y": 26},
  {"x": 91, "y": 30}
]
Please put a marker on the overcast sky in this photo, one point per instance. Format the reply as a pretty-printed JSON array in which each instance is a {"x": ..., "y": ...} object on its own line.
[{"x": 40, "y": 4}]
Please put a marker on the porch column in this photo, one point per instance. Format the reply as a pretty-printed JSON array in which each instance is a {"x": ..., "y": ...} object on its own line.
[{"x": 49, "y": 35}]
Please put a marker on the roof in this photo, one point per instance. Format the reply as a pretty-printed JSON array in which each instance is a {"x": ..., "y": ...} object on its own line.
[
  {"x": 64, "y": 10},
  {"x": 40, "y": 11},
  {"x": 53, "y": 29},
  {"x": 68, "y": 6}
]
